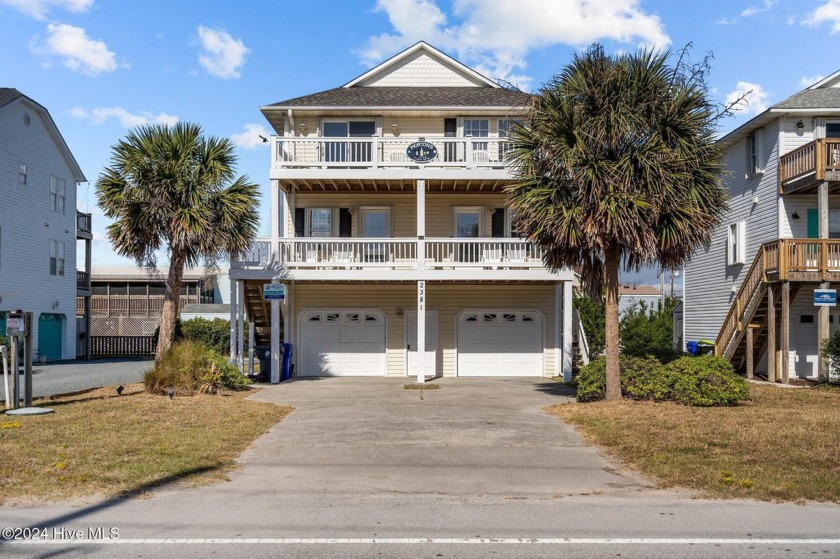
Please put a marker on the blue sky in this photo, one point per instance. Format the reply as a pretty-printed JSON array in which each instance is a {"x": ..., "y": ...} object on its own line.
[{"x": 101, "y": 67}]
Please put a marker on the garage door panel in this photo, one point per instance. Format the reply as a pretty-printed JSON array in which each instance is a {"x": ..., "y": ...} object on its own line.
[
  {"x": 500, "y": 343},
  {"x": 342, "y": 343}
]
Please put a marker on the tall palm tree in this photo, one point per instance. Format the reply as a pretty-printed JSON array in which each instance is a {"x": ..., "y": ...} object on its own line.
[
  {"x": 171, "y": 186},
  {"x": 617, "y": 168}
]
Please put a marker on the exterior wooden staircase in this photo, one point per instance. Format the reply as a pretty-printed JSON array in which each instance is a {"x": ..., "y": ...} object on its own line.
[
  {"x": 782, "y": 266},
  {"x": 259, "y": 311}
]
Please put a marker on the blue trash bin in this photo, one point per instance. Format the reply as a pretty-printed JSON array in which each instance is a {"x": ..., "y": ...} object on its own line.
[
  {"x": 691, "y": 347},
  {"x": 286, "y": 364}
]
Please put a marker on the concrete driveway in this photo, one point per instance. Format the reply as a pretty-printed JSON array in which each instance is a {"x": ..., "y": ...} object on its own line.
[{"x": 470, "y": 437}]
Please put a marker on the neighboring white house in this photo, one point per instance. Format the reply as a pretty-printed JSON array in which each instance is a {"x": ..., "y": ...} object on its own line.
[
  {"x": 38, "y": 225},
  {"x": 779, "y": 241},
  {"x": 389, "y": 220},
  {"x": 631, "y": 295}
]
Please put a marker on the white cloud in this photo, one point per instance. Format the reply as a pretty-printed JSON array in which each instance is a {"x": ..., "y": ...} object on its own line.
[
  {"x": 828, "y": 12},
  {"x": 496, "y": 35},
  {"x": 250, "y": 137},
  {"x": 100, "y": 115},
  {"x": 222, "y": 55},
  {"x": 749, "y": 11},
  {"x": 79, "y": 51},
  {"x": 807, "y": 82},
  {"x": 756, "y": 101},
  {"x": 39, "y": 9}
]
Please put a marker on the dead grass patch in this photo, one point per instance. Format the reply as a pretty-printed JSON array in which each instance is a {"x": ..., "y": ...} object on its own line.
[
  {"x": 99, "y": 443},
  {"x": 782, "y": 445}
]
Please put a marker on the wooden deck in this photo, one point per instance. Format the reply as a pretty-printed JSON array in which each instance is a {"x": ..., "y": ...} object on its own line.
[{"x": 802, "y": 170}]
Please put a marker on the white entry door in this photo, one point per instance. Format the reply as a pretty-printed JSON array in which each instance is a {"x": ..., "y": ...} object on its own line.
[
  {"x": 500, "y": 343},
  {"x": 411, "y": 343},
  {"x": 342, "y": 342}
]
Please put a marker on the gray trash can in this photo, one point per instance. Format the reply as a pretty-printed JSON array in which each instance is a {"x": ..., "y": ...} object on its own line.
[{"x": 263, "y": 353}]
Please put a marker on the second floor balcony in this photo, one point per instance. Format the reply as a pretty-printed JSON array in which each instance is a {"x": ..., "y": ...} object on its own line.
[
  {"x": 801, "y": 170},
  {"x": 397, "y": 259},
  {"x": 83, "y": 226},
  {"x": 375, "y": 153}
]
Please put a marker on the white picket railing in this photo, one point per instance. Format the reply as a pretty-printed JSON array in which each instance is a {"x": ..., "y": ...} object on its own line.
[
  {"x": 376, "y": 152},
  {"x": 361, "y": 253}
]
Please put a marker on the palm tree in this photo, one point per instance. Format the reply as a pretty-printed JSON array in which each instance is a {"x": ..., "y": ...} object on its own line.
[
  {"x": 617, "y": 168},
  {"x": 170, "y": 186}
]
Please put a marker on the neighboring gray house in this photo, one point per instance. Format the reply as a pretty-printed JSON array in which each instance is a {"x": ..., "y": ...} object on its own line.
[
  {"x": 39, "y": 225},
  {"x": 752, "y": 288},
  {"x": 630, "y": 295}
]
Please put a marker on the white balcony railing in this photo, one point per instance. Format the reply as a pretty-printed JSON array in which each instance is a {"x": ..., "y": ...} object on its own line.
[
  {"x": 394, "y": 254},
  {"x": 376, "y": 153}
]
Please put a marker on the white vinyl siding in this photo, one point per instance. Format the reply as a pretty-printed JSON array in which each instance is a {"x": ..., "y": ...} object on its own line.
[{"x": 709, "y": 282}]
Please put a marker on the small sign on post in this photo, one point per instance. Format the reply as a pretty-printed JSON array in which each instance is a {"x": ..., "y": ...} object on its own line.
[
  {"x": 825, "y": 297},
  {"x": 15, "y": 324},
  {"x": 274, "y": 291}
]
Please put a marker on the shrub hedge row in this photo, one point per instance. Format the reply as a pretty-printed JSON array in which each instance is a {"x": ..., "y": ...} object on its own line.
[{"x": 696, "y": 381}]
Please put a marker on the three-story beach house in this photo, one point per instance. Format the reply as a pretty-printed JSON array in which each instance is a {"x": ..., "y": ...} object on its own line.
[
  {"x": 39, "y": 228},
  {"x": 389, "y": 220},
  {"x": 755, "y": 289}
]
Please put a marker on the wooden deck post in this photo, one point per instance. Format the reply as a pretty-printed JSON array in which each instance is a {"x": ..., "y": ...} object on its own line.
[
  {"x": 771, "y": 333},
  {"x": 785, "y": 324},
  {"x": 750, "y": 351},
  {"x": 823, "y": 327}
]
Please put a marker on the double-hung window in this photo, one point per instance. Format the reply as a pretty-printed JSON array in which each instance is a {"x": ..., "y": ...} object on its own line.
[
  {"x": 320, "y": 222},
  {"x": 56, "y": 258},
  {"x": 506, "y": 125},
  {"x": 22, "y": 173},
  {"x": 735, "y": 243},
  {"x": 58, "y": 194},
  {"x": 755, "y": 153},
  {"x": 477, "y": 128}
]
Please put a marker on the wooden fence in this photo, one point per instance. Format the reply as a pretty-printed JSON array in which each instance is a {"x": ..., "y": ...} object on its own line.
[{"x": 122, "y": 346}]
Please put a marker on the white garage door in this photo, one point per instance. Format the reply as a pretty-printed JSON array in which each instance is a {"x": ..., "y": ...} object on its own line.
[
  {"x": 500, "y": 343},
  {"x": 342, "y": 342}
]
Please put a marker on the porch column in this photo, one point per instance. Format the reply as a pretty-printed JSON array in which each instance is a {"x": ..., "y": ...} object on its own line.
[
  {"x": 421, "y": 331},
  {"x": 240, "y": 326},
  {"x": 771, "y": 333},
  {"x": 823, "y": 328},
  {"x": 785, "y": 342},
  {"x": 251, "y": 348},
  {"x": 421, "y": 225},
  {"x": 274, "y": 376},
  {"x": 568, "y": 331},
  {"x": 233, "y": 321},
  {"x": 750, "y": 352}
]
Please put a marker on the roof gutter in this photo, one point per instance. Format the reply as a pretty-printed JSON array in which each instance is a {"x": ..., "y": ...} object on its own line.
[{"x": 272, "y": 108}]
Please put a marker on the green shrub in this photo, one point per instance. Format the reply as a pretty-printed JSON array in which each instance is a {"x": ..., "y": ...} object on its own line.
[
  {"x": 215, "y": 333},
  {"x": 189, "y": 368},
  {"x": 642, "y": 378},
  {"x": 706, "y": 381},
  {"x": 593, "y": 319},
  {"x": 831, "y": 350},
  {"x": 648, "y": 330}
]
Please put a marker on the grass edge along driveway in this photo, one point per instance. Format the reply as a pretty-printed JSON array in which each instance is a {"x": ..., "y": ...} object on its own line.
[
  {"x": 782, "y": 445},
  {"x": 98, "y": 443}
]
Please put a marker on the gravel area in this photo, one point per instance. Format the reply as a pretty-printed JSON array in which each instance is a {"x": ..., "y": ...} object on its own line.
[{"x": 71, "y": 376}]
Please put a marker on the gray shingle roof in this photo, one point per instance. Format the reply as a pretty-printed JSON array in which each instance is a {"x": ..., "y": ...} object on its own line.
[
  {"x": 410, "y": 97},
  {"x": 8, "y": 94},
  {"x": 823, "y": 98}
]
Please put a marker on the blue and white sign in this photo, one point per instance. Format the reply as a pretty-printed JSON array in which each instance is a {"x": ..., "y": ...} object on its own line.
[
  {"x": 274, "y": 291},
  {"x": 421, "y": 152},
  {"x": 825, "y": 297}
]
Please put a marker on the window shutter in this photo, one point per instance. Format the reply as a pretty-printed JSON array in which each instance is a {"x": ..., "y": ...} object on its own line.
[
  {"x": 813, "y": 223},
  {"x": 300, "y": 222},
  {"x": 345, "y": 223},
  {"x": 497, "y": 227},
  {"x": 742, "y": 242}
]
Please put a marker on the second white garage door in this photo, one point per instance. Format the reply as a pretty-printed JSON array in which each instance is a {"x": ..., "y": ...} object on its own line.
[
  {"x": 500, "y": 343},
  {"x": 342, "y": 342}
]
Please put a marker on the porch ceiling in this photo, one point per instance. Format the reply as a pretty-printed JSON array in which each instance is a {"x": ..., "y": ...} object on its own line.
[{"x": 477, "y": 185}]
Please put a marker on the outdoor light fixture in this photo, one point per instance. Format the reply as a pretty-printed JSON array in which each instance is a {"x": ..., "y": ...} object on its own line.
[
  {"x": 55, "y": 304},
  {"x": 795, "y": 215},
  {"x": 800, "y": 125},
  {"x": 395, "y": 128},
  {"x": 302, "y": 127}
]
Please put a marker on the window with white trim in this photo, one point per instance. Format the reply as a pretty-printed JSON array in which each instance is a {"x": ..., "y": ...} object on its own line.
[
  {"x": 319, "y": 222},
  {"x": 56, "y": 258},
  {"x": 58, "y": 194},
  {"x": 22, "y": 173},
  {"x": 755, "y": 153},
  {"x": 735, "y": 243}
]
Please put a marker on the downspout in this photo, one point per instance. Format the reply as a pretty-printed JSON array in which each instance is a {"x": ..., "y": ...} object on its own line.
[{"x": 291, "y": 121}]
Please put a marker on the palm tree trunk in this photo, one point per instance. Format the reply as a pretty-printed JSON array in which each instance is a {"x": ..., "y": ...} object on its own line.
[
  {"x": 171, "y": 299},
  {"x": 611, "y": 261}
]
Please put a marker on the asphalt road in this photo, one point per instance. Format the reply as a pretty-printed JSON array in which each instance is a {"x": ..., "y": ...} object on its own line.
[
  {"x": 72, "y": 376},
  {"x": 363, "y": 468}
]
